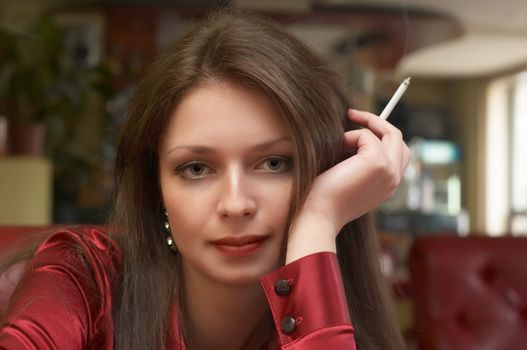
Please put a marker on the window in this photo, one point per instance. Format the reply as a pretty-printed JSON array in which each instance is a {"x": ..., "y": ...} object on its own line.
[
  {"x": 506, "y": 160},
  {"x": 518, "y": 190}
]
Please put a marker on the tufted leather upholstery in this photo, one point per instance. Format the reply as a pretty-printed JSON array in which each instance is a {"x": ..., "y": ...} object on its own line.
[{"x": 469, "y": 293}]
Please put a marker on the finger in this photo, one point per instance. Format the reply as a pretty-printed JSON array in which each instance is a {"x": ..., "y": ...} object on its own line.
[
  {"x": 371, "y": 150},
  {"x": 361, "y": 140},
  {"x": 391, "y": 145},
  {"x": 397, "y": 152},
  {"x": 391, "y": 137},
  {"x": 369, "y": 120}
]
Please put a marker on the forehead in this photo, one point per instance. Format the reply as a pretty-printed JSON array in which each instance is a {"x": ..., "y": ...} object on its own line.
[{"x": 222, "y": 111}]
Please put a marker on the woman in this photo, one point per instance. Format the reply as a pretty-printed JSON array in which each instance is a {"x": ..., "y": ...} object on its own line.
[{"x": 238, "y": 180}]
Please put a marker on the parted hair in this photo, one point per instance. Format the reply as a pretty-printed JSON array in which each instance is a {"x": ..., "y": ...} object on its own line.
[{"x": 252, "y": 52}]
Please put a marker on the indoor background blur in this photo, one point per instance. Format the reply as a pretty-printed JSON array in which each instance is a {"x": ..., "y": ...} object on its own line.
[{"x": 69, "y": 68}]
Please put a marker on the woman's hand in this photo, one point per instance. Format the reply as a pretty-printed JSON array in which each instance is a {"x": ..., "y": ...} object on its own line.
[{"x": 352, "y": 187}]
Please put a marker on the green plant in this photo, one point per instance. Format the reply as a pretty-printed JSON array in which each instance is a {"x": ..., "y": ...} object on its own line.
[
  {"x": 35, "y": 74},
  {"x": 41, "y": 83}
]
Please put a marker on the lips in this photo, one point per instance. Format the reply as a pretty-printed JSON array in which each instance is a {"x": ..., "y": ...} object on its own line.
[
  {"x": 238, "y": 246},
  {"x": 239, "y": 241}
]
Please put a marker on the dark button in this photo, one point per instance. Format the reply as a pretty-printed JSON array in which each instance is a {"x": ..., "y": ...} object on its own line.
[
  {"x": 288, "y": 324},
  {"x": 282, "y": 287}
]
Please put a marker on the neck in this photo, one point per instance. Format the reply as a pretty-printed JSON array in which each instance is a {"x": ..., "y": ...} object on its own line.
[{"x": 226, "y": 316}]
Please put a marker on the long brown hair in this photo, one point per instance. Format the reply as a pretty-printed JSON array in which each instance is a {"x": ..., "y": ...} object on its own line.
[{"x": 250, "y": 51}]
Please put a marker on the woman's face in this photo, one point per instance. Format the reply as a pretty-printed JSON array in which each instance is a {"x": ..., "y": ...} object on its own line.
[{"x": 226, "y": 178}]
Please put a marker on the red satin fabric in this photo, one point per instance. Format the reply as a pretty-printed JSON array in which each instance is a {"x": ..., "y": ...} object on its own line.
[
  {"x": 317, "y": 300},
  {"x": 64, "y": 300}
]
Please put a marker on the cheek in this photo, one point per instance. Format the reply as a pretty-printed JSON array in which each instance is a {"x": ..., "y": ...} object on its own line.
[
  {"x": 186, "y": 210},
  {"x": 278, "y": 202}
]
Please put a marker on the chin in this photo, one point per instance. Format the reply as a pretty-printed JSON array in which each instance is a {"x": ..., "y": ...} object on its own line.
[{"x": 242, "y": 278}]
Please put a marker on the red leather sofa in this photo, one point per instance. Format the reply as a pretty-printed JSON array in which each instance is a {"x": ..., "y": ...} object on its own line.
[{"x": 469, "y": 292}]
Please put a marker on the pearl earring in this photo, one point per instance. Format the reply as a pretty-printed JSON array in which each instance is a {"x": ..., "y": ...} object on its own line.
[{"x": 170, "y": 241}]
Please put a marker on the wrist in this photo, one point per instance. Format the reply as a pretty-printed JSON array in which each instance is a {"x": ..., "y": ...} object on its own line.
[{"x": 311, "y": 233}]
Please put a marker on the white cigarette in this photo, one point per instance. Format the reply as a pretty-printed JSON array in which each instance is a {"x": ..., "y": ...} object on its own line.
[{"x": 395, "y": 98}]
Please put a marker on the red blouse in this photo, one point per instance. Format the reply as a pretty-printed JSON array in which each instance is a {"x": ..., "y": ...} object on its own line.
[{"x": 65, "y": 302}]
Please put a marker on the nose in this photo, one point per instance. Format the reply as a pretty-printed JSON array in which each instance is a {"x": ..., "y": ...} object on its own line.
[{"x": 236, "y": 200}]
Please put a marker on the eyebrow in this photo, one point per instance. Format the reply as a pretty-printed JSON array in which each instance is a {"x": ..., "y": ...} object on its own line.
[{"x": 202, "y": 149}]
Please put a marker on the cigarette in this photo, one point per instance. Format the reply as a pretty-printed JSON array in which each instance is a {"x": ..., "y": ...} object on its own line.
[{"x": 395, "y": 98}]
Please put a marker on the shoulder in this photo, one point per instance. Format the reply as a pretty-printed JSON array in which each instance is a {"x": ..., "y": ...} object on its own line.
[
  {"x": 89, "y": 238},
  {"x": 80, "y": 249},
  {"x": 83, "y": 240},
  {"x": 68, "y": 281},
  {"x": 78, "y": 265}
]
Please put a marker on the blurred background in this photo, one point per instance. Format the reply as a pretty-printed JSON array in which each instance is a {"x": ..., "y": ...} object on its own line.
[{"x": 69, "y": 68}]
